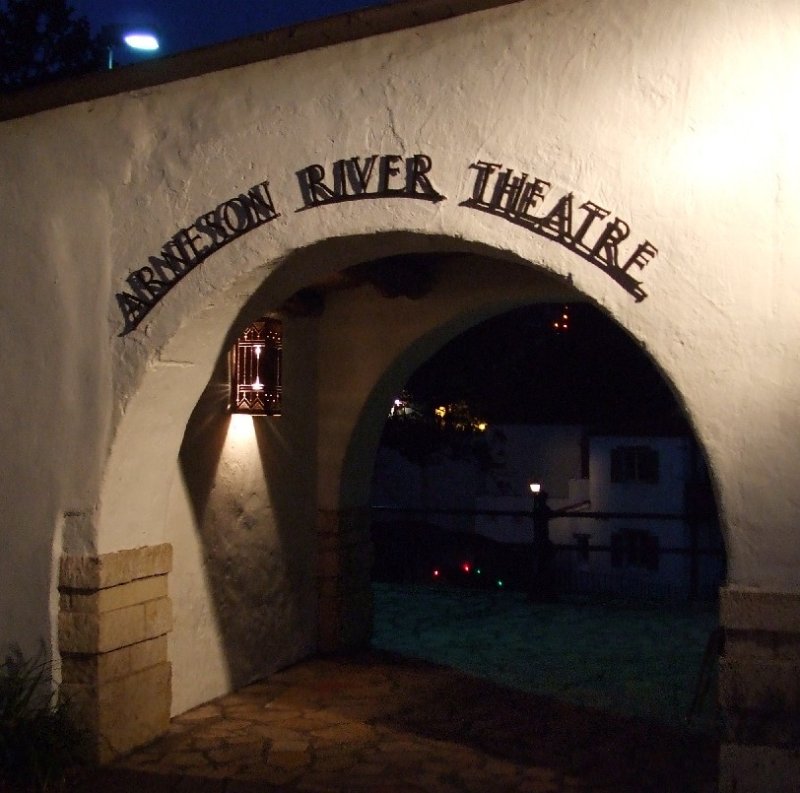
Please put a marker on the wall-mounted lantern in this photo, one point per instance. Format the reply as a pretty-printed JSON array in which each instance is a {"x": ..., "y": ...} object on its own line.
[{"x": 255, "y": 369}]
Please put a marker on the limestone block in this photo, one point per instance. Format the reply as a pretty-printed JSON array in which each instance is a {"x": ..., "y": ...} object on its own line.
[
  {"x": 111, "y": 569},
  {"x": 135, "y": 709},
  {"x": 84, "y": 632},
  {"x": 124, "y": 713},
  {"x": 158, "y": 617},
  {"x": 81, "y": 700},
  {"x": 115, "y": 597},
  {"x": 762, "y": 685},
  {"x": 758, "y": 610},
  {"x": 763, "y": 728},
  {"x": 758, "y": 769},
  {"x": 762, "y": 644},
  {"x": 93, "y": 670},
  {"x": 87, "y": 632}
]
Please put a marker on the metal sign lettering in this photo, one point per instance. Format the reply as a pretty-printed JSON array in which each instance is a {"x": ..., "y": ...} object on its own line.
[{"x": 588, "y": 230}]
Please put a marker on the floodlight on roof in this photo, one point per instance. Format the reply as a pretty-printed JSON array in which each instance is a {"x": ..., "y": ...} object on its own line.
[{"x": 141, "y": 40}]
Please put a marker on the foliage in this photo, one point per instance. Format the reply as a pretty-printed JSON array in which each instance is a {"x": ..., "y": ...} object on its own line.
[
  {"x": 40, "y": 40},
  {"x": 39, "y": 743},
  {"x": 420, "y": 432}
]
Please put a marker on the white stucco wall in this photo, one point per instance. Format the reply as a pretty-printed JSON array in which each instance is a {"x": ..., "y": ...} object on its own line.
[{"x": 679, "y": 118}]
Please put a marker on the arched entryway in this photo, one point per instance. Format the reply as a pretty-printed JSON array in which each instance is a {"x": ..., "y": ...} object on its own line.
[{"x": 245, "y": 602}]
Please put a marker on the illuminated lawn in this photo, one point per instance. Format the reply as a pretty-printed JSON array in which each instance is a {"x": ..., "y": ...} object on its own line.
[{"x": 641, "y": 659}]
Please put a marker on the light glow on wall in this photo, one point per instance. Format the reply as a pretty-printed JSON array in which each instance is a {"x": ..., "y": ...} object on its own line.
[
  {"x": 241, "y": 429},
  {"x": 745, "y": 110}
]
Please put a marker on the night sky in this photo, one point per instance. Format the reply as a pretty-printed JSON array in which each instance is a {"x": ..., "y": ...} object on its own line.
[
  {"x": 518, "y": 368},
  {"x": 187, "y": 24}
]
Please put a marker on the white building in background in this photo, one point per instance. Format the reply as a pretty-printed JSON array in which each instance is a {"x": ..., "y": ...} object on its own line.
[
  {"x": 660, "y": 537},
  {"x": 652, "y": 541}
]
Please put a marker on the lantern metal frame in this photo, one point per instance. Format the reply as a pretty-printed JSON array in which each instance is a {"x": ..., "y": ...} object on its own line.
[{"x": 256, "y": 362}]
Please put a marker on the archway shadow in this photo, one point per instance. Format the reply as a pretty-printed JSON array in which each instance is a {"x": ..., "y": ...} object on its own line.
[
  {"x": 253, "y": 536},
  {"x": 616, "y": 752}
]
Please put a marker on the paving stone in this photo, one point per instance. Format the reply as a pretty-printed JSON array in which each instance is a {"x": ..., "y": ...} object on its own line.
[
  {"x": 203, "y": 713},
  {"x": 375, "y": 724},
  {"x": 289, "y": 760},
  {"x": 347, "y": 733}
]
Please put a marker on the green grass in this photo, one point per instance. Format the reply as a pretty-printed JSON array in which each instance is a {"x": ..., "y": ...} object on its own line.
[{"x": 637, "y": 658}]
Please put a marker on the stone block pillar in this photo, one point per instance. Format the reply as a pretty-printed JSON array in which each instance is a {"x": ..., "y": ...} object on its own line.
[
  {"x": 112, "y": 631},
  {"x": 759, "y": 690},
  {"x": 344, "y": 566}
]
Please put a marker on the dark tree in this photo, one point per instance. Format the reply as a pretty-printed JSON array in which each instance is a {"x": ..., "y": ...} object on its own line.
[
  {"x": 41, "y": 40},
  {"x": 421, "y": 433}
]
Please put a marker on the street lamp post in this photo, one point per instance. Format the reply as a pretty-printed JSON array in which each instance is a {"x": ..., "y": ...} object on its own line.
[
  {"x": 542, "y": 588},
  {"x": 143, "y": 40}
]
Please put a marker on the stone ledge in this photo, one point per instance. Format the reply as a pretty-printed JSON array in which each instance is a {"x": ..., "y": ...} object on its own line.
[
  {"x": 759, "y": 610},
  {"x": 758, "y": 769},
  {"x": 114, "y": 597},
  {"x": 112, "y": 569}
]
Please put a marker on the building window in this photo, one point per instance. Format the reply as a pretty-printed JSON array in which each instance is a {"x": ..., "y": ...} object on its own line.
[
  {"x": 635, "y": 548},
  {"x": 255, "y": 369},
  {"x": 634, "y": 464}
]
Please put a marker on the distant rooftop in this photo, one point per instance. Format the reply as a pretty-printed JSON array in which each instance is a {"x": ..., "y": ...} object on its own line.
[{"x": 397, "y": 15}]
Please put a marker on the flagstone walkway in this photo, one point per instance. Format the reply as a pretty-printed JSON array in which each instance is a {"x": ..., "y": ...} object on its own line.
[{"x": 379, "y": 723}]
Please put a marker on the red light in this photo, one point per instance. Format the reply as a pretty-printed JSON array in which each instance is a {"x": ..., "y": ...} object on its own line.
[
  {"x": 435, "y": 573},
  {"x": 466, "y": 567}
]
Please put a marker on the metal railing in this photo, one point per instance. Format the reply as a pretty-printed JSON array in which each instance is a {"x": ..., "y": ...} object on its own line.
[{"x": 570, "y": 574}]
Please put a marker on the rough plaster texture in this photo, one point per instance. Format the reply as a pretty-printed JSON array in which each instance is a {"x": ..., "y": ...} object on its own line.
[
  {"x": 680, "y": 118},
  {"x": 243, "y": 527}
]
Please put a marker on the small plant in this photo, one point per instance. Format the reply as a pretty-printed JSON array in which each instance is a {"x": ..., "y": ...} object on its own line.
[{"x": 39, "y": 743}]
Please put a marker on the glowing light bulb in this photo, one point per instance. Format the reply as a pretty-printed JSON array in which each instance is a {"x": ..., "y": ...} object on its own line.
[
  {"x": 257, "y": 385},
  {"x": 141, "y": 41}
]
